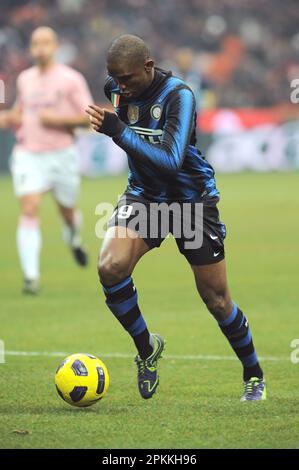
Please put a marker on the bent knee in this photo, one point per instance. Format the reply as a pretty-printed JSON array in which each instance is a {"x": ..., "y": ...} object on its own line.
[
  {"x": 218, "y": 304},
  {"x": 29, "y": 210},
  {"x": 29, "y": 206},
  {"x": 112, "y": 269}
]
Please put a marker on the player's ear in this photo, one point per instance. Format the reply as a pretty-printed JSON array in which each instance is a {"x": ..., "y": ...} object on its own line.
[{"x": 148, "y": 65}]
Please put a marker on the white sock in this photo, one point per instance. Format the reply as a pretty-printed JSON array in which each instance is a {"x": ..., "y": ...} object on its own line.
[
  {"x": 71, "y": 233},
  {"x": 29, "y": 245}
]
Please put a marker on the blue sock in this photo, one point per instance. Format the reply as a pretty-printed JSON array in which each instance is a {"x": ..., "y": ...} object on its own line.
[
  {"x": 121, "y": 299},
  {"x": 236, "y": 329}
]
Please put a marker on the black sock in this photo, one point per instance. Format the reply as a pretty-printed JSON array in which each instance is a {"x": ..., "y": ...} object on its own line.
[
  {"x": 236, "y": 330},
  {"x": 121, "y": 299}
]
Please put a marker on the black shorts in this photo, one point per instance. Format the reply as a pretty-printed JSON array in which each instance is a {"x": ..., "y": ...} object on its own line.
[{"x": 196, "y": 227}]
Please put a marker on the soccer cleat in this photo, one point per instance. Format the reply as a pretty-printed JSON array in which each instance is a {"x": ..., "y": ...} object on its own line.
[
  {"x": 31, "y": 286},
  {"x": 80, "y": 256},
  {"x": 147, "y": 376},
  {"x": 71, "y": 236},
  {"x": 254, "y": 390}
]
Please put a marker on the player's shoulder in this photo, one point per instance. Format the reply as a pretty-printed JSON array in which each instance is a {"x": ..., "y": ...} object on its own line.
[
  {"x": 172, "y": 84},
  {"x": 27, "y": 74},
  {"x": 110, "y": 86},
  {"x": 175, "y": 91},
  {"x": 176, "y": 84},
  {"x": 69, "y": 72}
]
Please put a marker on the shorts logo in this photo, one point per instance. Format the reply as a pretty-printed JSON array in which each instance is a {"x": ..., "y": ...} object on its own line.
[
  {"x": 156, "y": 111},
  {"x": 133, "y": 113}
]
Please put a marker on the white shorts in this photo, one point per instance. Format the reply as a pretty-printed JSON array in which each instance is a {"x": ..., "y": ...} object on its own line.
[{"x": 38, "y": 172}]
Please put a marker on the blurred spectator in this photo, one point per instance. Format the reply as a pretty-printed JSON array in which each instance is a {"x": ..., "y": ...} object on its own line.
[
  {"x": 244, "y": 49},
  {"x": 184, "y": 68}
]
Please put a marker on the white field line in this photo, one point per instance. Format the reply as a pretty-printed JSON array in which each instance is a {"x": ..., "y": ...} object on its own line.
[{"x": 200, "y": 357}]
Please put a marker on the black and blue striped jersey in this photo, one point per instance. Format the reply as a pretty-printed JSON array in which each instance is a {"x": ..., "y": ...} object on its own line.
[{"x": 159, "y": 137}]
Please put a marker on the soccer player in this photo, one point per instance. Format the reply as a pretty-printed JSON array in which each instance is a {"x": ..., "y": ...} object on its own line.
[
  {"x": 155, "y": 124},
  {"x": 50, "y": 104}
]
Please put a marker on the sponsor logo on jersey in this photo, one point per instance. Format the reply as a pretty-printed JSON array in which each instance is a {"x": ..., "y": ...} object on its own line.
[
  {"x": 154, "y": 136},
  {"x": 133, "y": 113}
]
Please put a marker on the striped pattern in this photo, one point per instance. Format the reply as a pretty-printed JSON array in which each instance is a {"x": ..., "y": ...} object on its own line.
[
  {"x": 122, "y": 300},
  {"x": 237, "y": 331},
  {"x": 115, "y": 99}
]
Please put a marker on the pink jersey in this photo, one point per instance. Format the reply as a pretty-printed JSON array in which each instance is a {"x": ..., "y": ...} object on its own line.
[{"x": 60, "y": 90}]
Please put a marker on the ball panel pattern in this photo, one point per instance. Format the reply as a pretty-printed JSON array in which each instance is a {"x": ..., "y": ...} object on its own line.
[
  {"x": 79, "y": 368},
  {"x": 78, "y": 393}
]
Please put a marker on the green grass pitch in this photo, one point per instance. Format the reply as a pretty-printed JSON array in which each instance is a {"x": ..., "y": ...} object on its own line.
[{"x": 197, "y": 403}]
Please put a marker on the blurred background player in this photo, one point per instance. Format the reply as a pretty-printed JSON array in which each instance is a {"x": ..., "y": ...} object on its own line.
[
  {"x": 185, "y": 69},
  {"x": 50, "y": 104}
]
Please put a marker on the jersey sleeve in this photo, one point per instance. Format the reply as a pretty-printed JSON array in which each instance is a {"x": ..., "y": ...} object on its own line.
[
  {"x": 19, "y": 100},
  {"x": 79, "y": 94},
  {"x": 108, "y": 87},
  {"x": 169, "y": 154}
]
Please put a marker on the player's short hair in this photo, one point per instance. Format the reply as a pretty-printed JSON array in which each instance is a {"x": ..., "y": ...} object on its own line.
[{"x": 128, "y": 48}]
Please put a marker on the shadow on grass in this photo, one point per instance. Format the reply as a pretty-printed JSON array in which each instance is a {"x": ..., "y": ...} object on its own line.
[{"x": 97, "y": 409}]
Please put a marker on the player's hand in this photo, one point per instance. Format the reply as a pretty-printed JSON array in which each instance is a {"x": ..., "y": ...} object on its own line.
[
  {"x": 10, "y": 118},
  {"x": 96, "y": 116},
  {"x": 105, "y": 122},
  {"x": 3, "y": 120}
]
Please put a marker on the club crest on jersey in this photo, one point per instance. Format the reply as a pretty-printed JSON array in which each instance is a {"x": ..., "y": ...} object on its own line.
[
  {"x": 156, "y": 111},
  {"x": 133, "y": 113}
]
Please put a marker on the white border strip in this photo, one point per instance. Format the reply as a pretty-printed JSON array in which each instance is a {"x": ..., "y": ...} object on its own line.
[{"x": 129, "y": 356}]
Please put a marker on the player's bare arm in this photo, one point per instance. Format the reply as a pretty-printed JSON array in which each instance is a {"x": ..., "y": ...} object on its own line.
[
  {"x": 10, "y": 117},
  {"x": 65, "y": 123}
]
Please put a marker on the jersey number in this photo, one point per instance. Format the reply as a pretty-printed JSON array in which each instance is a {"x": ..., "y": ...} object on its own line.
[{"x": 124, "y": 212}]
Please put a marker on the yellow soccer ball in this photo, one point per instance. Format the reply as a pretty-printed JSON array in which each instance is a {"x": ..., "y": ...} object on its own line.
[{"x": 81, "y": 379}]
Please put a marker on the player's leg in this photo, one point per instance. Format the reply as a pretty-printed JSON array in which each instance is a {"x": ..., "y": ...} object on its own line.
[
  {"x": 211, "y": 282},
  {"x": 66, "y": 188},
  {"x": 121, "y": 250},
  {"x": 30, "y": 182},
  {"x": 29, "y": 241},
  {"x": 71, "y": 232},
  {"x": 208, "y": 265}
]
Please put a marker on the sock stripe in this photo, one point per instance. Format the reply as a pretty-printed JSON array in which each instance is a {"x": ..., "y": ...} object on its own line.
[
  {"x": 237, "y": 331},
  {"x": 122, "y": 294},
  {"x": 121, "y": 299},
  {"x": 138, "y": 326},
  {"x": 236, "y": 328},
  {"x": 231, "y": 317},
  {"x": 244, "y": 351},
  {"x": 250, "y": 361},
  {"x": 242, "y": 342},
  {"x": 123, "y": 308},
  {"x": 116, "y": 287},
  {"x": 130, "y": 317}
]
